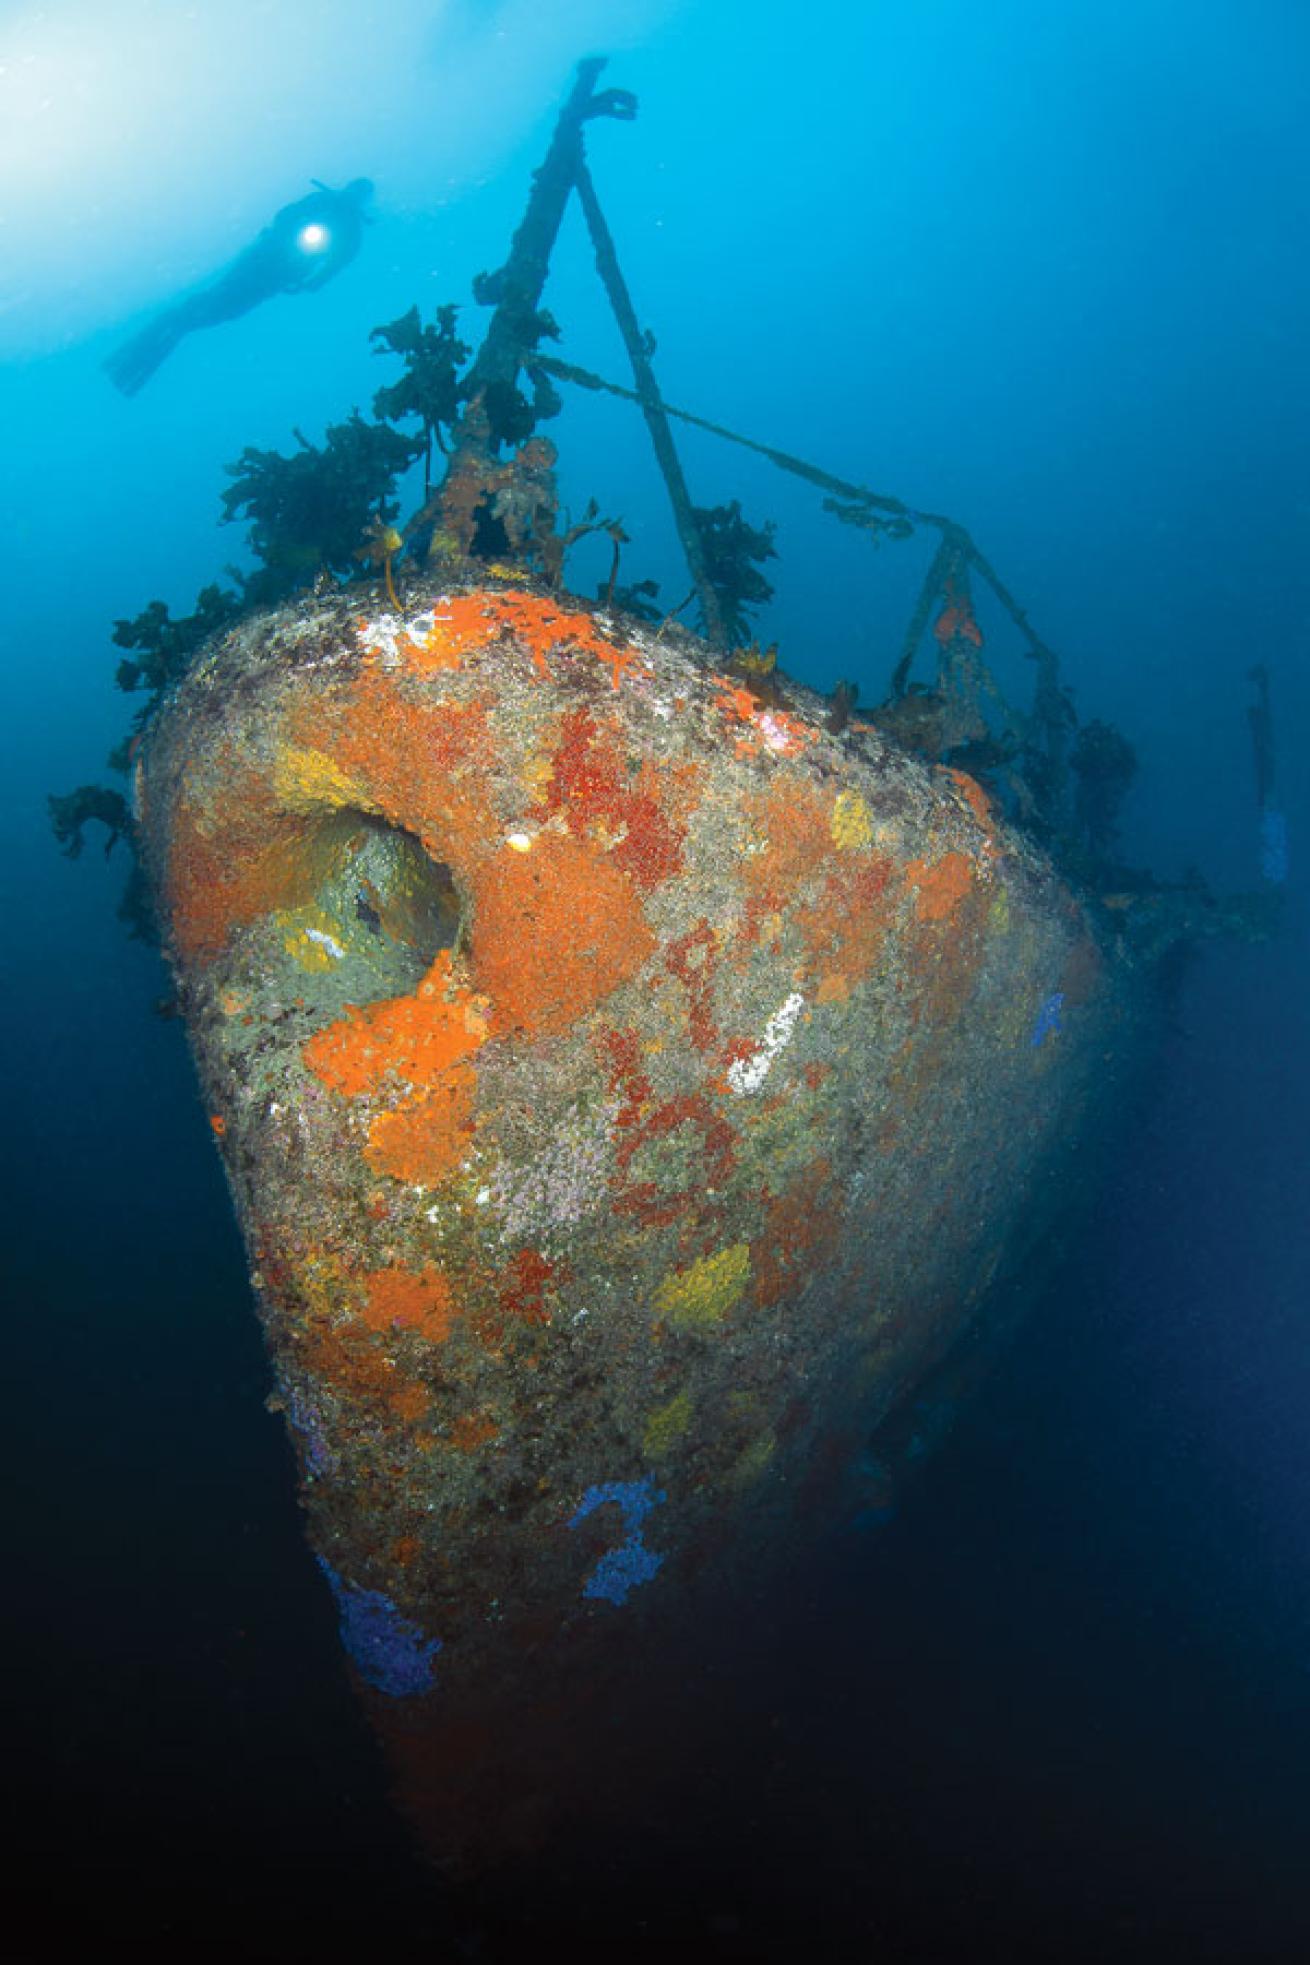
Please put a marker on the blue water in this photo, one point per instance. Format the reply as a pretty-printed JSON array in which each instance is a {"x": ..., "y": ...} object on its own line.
[{"x": 1039, "y": 267}]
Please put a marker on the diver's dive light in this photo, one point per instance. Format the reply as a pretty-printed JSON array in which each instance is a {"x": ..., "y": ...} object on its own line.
[{"x": 313, "y": 238}]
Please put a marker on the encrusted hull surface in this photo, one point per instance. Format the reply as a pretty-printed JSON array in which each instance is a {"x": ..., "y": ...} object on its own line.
[{"x": 627, "y": 1087}]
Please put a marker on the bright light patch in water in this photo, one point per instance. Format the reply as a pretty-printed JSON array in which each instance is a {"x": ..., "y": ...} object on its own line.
[
  {"x": 143, "y": 144},
  {"x": 312, "y": 238}
]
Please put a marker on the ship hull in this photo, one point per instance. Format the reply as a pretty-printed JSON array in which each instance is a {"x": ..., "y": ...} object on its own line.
[{"x": 629, "y": 1088}]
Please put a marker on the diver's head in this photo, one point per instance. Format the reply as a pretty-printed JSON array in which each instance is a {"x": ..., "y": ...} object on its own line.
[{"x": 317, "y": 238}]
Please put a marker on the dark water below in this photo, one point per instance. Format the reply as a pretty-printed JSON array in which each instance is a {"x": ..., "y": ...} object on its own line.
[{"x": 1058, "y": 1706}]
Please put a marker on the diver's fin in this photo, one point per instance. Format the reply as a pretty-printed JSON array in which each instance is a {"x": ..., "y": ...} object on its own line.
[{"x": 130, "y": 367}]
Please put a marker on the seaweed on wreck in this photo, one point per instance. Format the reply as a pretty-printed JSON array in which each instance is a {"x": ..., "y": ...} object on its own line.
[
  {"x": 381, "y": 544},
  {"x": 556, "y": 547},
  {"x": 862, "y": 513},
  {"x": 430, "y": 387},
  {"x": 638, "y": 599},
  {"x": 511, "y": 415},
  {"x": 70, "y": 815},
  {"x": 759, "y": 667},
  {"x": 841, "y": 705},
  {"x": 163, "y": 648},
  {"x": 72, "y": 812},
  {"x": 308, "y": 512},
  {"x": 733, "y": 551}
]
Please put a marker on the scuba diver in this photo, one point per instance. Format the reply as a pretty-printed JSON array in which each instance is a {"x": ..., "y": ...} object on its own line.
[{"x": 307, "y": 245}]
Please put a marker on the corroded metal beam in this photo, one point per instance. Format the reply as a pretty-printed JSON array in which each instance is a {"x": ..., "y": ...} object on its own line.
[{"x": 652, "y": 408}]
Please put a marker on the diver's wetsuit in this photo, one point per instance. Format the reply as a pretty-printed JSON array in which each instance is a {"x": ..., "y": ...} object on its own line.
[{"x": 307, "y": 244}]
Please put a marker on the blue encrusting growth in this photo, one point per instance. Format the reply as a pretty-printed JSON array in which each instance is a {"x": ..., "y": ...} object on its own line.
[
  {"x": 1048, "y": 1019},
  {"x": 389, "y": 1652},
  {"x": 623, "y": 1569}
]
